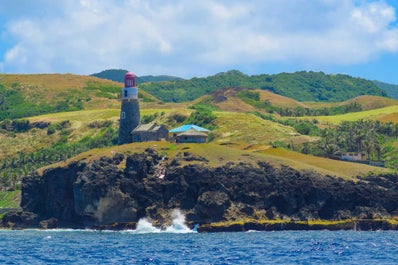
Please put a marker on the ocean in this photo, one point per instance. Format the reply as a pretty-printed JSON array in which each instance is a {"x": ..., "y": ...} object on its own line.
[{"x": 180, "y": 245}]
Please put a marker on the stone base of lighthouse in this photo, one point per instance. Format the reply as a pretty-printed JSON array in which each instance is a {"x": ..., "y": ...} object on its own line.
[{"x": 129, "y": 120}]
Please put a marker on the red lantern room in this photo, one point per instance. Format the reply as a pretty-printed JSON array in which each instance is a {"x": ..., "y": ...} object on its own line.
[{"x": 129, "y": 80}]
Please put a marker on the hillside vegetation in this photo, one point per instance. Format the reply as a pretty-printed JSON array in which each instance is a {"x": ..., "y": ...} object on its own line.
[
  {"x": 249, "y": 100},
  {"x": 30, "y": 95},
  {"x": 117, "y": 75},
  {"x": 392, "y": 90},
  {"x": 375, "y": 114},
  {"x": 301, "y": 86},
  {"x": 67, "y": 115}
]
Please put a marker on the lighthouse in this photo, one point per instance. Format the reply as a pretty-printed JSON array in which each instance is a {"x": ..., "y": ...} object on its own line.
[{"x": 130, "y": 110}]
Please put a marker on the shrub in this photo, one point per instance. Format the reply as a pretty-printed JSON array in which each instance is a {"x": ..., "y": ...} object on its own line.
[
  {"x": 202, "y": 118},
  {"x": 149, "y": 118},
  {"x": 177, "y": 118},
  {"x": 100, "y": 124},
  {"x": 20, "y": 125},
  {"x": 51, "y": 129}
]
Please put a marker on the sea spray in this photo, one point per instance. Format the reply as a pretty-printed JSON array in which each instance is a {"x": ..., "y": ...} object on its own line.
[
  {"x": 145, "y": 227},
  {"x": 178, "y": 225}
]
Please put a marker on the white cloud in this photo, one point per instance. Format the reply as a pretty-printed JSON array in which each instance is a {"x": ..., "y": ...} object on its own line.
[
  {"x": 195, "y": 37},
  {"x": 373, "y": 17}
]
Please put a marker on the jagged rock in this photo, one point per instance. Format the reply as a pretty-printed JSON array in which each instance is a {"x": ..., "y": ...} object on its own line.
[
  {"x": 20, "y": 219},
  {"x": 211, "y": 206},
  {"x": 98, "y": 193},
  {"x": 49, "y": 223}
]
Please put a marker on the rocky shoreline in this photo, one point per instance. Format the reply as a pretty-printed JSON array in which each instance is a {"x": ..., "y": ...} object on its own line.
[{"x": 115, "y": 192}]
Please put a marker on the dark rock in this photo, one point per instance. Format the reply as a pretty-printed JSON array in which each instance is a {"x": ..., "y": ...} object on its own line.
[
  {"x": 49, "y": 223},
  {"x": 40, "y": 124},
  {"x": 99, "y": 194},
  {"x": 20, "y": 219},
  {"x": 211, "y": 206}
]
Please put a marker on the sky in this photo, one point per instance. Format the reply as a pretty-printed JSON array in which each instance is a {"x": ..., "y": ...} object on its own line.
[{"x": 195, "y": 38}]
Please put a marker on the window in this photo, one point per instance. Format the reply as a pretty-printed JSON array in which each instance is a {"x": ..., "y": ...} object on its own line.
[
  {"x": 123, "y": 115},
  {"x": 125, "y": 93}
]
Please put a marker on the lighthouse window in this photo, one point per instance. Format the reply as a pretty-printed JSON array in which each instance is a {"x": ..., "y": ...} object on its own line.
[
  {"x": 123, "y": 115},
  {"x": 125, "y": 93}
]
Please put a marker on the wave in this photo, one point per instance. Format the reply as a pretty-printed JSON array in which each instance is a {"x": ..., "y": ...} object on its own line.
[
  {"x": 144, "y": 226},
  {"x": 178, "y": 226}
]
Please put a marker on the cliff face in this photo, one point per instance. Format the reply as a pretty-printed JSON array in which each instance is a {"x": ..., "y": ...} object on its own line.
[{"x": 103, "y": 192}]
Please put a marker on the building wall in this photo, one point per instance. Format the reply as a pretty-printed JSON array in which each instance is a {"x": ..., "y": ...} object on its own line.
[
  {"x": 145, "y": 136},
  {"x": 129, "y": 120},
  {"x": 190, "y": 139},
  {"x": 353, "y": 156}
]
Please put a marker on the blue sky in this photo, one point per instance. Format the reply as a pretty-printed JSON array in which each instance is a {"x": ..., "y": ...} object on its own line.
[{"x": 190, "y": 38}]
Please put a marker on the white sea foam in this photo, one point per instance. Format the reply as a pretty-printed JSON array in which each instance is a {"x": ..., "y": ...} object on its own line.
[
  {"x": 178, "y": 225},
  {"x": 145, "y": 227}
]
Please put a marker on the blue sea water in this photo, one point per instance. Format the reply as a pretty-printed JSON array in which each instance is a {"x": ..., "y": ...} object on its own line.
[{"x": 155, "y": 247}]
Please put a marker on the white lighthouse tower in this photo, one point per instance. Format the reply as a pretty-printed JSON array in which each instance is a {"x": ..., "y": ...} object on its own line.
[{"x": 130, "y": 110}]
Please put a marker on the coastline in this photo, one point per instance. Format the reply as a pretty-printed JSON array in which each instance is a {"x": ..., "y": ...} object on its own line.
[
  {"x": 114, "y": 193},
  {"x": 284, "y": 225},
  {"x": 258, "y": 225}
]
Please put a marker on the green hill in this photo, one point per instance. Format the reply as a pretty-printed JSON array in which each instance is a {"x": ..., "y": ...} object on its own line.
[
  {"x": 30, "y": 95},
  {"x": 249, "y": 100},
  {"x": 65, "y": 115},
  {"x": 117, "y": 75},
  {"x": 392, "y": 90},
  {"x": 301, "y": 86}
]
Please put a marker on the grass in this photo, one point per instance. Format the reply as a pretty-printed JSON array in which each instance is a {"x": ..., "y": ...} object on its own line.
[
  {"x": 28, "y": 142},
  {"x": 233, "y": 103},
  {"x": 25, "y": 142},
  {"x": 375, "y": 114},
  {"x": 240, "y": 137},
  {"x": 367, "y": 102},
  {"x": 218, "y": 155},
  {"x": 10, "y": 199},
  {"x": 49, "y": 89},
  {"x": 236, "y": 127},
  {"x": 346, "y": 170},
  {"x": 287, "y": 224},
  {"x": 278, "y": 100},
  {"x": 278, "y": 221}
]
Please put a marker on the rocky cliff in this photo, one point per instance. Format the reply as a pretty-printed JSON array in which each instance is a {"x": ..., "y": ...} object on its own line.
[{"x": 118, "y": 191}]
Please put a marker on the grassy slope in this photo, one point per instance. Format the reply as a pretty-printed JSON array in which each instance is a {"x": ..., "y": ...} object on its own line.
[
  {"x": 49, "y": 88},
  {"x": 322, "y": 165},
  {"x": 237, "y": 127},
  {"x": 240, "y": 137},
  {"x": 233, "y": 103},
  {"x": 9, "y": 199},
  {"x": 236, "y": 131},
  {"x": 278, "y": 100},
  {"x": 219, "y": 155},
  {"x": 302, "y": 86},
  {"x": 387, "y": 114},
  {"x": 11, "y": 144},
  {"x": 367, "y": 102}
]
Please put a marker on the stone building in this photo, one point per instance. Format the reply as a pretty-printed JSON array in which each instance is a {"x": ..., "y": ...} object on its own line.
[
  {"x": 150, "y": 132},
  {"x": 191, "y": 136}
]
